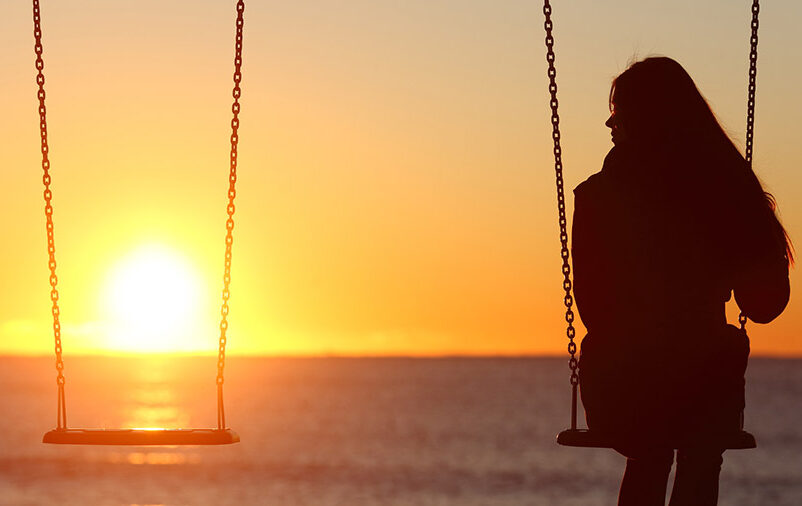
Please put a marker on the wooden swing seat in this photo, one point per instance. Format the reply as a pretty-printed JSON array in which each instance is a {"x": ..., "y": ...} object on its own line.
[
  {"x": 141, "y": 437},
  {"x": 583, "y": 438}
]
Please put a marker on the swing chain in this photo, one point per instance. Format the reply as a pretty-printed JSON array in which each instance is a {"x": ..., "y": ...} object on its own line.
[
  {"x": 568, "y": 300},
  {"x": 48, "y": 195},
  {"x": 750, "y": 104},
  {"x": 232, "y": 192},
  {"x": 750, "y": 111}
]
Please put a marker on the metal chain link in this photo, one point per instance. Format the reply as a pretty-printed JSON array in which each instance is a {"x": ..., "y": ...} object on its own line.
[
  {"x": 750, "y": 111},
  {"x": 568, "y": 300},
  {"x": 750, "y": 104},
  {"x": 48, "y": 195},
  {"x": 232, "y": 192}
]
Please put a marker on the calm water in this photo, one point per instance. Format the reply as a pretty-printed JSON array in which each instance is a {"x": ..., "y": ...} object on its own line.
[{"x": 351, "y": 432}]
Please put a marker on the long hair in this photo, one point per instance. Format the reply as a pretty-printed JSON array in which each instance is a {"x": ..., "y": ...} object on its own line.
[{"x": 662, "y": 111}]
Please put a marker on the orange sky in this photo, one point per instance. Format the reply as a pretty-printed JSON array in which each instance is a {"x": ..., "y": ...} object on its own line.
[{"x": 396, "y": 191}]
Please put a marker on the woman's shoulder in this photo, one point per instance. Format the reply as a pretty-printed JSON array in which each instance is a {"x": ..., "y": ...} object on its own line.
[
  {"x": 624, "y": 170},
  {"x": 590, "y": 187},
  {"x": 600, "y": 183}
]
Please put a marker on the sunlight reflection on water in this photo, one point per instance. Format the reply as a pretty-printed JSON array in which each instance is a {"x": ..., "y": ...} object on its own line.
[
  {"x": 153, "y": 458},
  {"x": 155, "y": 402},
  {"x": 156, "y": 416}
]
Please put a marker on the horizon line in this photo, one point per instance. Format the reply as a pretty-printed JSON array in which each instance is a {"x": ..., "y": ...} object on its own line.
[{"x": 431, "y": 356}]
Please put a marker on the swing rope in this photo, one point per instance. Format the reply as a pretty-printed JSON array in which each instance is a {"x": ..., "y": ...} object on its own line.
[
  {"x": 232, "y": 192},
  {"x": 61, "y": 422},
  {"x": 750, "y": 105},
  {"x": 568, "y": 300}
]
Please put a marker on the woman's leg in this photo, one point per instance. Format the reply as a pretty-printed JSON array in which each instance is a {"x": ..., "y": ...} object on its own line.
[
  {"x": 645, "y": 478},
  {"x": 696, "y": 482}
]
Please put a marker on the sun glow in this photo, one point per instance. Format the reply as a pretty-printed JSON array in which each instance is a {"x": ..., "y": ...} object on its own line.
[{"x": 153, "y": 302}]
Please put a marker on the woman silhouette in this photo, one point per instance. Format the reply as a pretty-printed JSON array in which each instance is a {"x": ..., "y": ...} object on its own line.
[{"x": 673, "y": 224}]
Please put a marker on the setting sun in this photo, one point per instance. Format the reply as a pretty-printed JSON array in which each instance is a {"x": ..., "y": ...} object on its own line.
[{"x": 152, "y": 302}]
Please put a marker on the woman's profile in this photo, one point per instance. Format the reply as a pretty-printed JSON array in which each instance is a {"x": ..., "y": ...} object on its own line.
[{"x": 675, "y": 222}]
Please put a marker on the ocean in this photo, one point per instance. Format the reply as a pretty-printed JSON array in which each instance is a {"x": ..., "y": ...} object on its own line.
[{"x": 351, "y": 431}]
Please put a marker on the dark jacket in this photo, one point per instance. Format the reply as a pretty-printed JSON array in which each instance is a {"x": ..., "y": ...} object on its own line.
[{"x": 652, "y": 274}]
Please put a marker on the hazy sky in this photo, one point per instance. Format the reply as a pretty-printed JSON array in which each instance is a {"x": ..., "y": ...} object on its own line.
[{"x": 396, "y": 187}]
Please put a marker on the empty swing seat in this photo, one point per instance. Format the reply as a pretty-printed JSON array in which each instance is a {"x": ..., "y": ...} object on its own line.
[
  {"x": 141, "y": 437},
  {"x": 583, "y": 438}
]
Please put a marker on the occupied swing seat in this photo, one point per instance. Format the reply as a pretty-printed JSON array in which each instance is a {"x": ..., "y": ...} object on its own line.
[{"x": 584, "y": 438}]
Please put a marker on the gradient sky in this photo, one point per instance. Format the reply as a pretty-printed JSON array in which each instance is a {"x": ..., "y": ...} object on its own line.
[{"x": 396, "y": 188}]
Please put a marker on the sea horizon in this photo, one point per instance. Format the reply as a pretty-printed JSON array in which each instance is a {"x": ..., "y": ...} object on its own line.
[{"x": 325, "y": 431}]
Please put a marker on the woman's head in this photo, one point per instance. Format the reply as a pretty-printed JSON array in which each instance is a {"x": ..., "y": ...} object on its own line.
[
  {"x": 655, "y": 102},
  {"x": 657, "y": 109}
]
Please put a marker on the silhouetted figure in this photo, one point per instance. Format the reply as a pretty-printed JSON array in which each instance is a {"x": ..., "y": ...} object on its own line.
[{"x": 673, "y": 224}]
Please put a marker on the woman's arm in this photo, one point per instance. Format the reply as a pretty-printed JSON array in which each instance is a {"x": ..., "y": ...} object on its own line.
[
  {"x": 762, "y": 289},
  {"x": 591, "y": 268}
]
